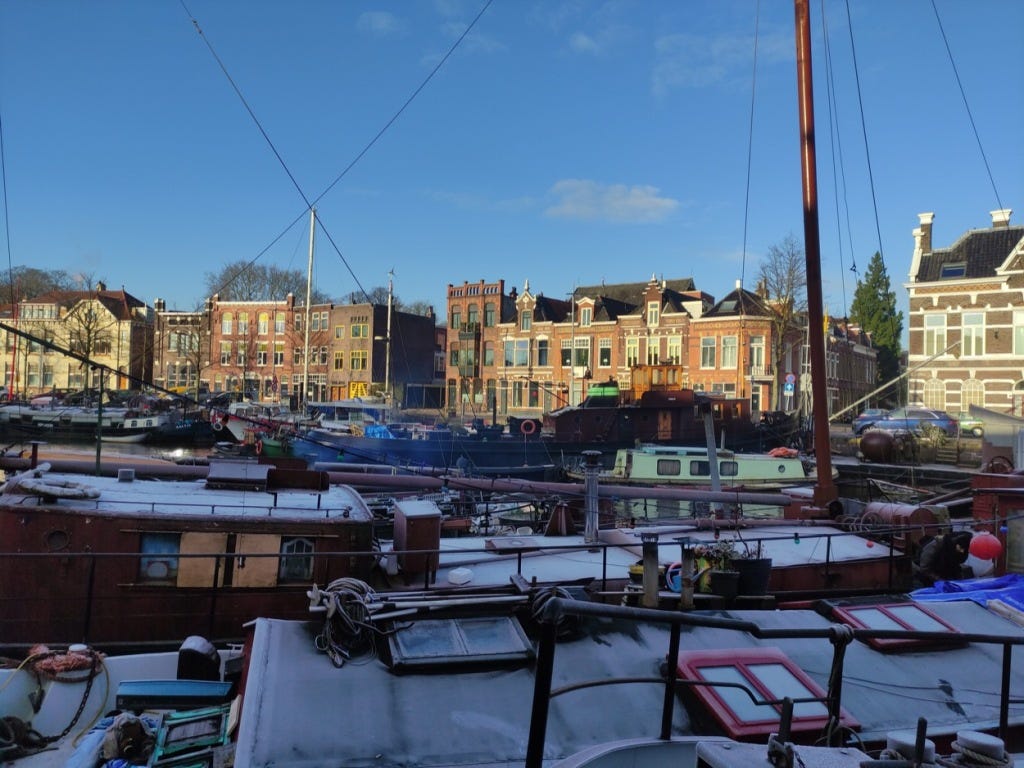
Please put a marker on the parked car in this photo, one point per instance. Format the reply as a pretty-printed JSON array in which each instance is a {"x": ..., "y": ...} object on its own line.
[
  {"x": 969, "y": 425},
  {"x": 866, "y": 418},
  {"x": 913, "y": 419}
]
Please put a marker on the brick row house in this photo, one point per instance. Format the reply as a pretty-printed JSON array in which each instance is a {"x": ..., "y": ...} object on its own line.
[
  {"x": 258, "y": 348},
  {"x": 523, "y": 354},
  {"x": 111, "y": 328},
  {"x": 967, "y": 318}
]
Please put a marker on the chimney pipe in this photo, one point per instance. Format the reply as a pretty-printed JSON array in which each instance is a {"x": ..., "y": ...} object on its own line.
[
  {"x": 1001, "y": 218},
  {"x": 591, "y": 468}
]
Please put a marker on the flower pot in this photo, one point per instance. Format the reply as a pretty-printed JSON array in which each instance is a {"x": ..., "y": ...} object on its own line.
[
  {"x": 754, "y": 575},
  {"x": 724, "y": 583}
]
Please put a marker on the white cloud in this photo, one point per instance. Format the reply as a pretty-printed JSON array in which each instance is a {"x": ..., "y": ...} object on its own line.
[
  {"x": 693, "y": 61},
  {"x": 381, "y": 24},
  {"x": 580, "y": 42},
  {"x": 589, "y": 201}
]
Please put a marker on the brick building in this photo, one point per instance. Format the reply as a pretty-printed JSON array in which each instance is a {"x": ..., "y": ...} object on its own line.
[{"x": 967, "y": 318}]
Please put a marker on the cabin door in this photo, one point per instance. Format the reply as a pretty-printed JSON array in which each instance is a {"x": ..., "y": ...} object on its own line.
[
  {"x": 198, "y": 571},
  {"x": 664, "y": 425},
  {"x": 257, "y": 571}
]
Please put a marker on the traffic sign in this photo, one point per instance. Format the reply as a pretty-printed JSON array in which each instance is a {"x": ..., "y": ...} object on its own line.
[{"x": 790, "y": 378}]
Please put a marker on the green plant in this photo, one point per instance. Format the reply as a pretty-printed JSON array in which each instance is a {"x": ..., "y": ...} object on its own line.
[{"x": 718, "y": 554}]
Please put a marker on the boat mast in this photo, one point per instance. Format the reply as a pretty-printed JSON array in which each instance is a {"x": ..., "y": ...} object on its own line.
[
  {"x": 387, "y": 344},
  {"x": 309, "y": 295},
  {"x": 824, "y": 489}
]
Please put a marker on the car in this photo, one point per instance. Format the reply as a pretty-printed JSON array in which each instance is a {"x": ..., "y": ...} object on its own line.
[
  {"x": 969, "y": 425},
  {"x": 913, "y": 419},
  {"x": 866, "y": 418}
]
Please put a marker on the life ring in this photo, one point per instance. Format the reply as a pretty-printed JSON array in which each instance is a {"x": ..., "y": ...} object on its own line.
[
  {"x": 528, "y": 427},
  {"x": 58, "y": 489},
  {"x": 217, "y": 421},
  {"x": 259, "y": 447}
]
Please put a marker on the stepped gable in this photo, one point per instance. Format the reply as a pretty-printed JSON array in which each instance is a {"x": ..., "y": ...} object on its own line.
[{"x": 981, "y": 251}]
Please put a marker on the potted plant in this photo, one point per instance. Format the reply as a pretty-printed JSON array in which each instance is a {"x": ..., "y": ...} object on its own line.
[
  {"x": 715, "y": 562},
  {"x": 754, "y": 568}
]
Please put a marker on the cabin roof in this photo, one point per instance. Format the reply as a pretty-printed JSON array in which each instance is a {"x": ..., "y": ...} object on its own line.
[
  {"x": 246, "y": 490},
  {"x": 480, "y": 715}
]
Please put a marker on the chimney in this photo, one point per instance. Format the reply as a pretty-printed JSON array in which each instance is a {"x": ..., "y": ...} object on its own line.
[
  {"x": 1001, "y": 218},
  {"x": 739, "y": 284},
  {"x": 922, "y": 243}
]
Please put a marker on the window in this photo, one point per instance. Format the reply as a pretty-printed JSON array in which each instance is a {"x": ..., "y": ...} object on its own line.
[
  {"x": 298, "y": 322},
  {"x": 653, "y": 312},
  {"x": 522, "y": 359},
  {"x": 675, "y": 349},
  {"x": 973, "y": 339},
  {"x": 453, "y": 354},
  {"x": 263, "y": 326},
  {"x": 632, "y": 352},
  {"x": 488, "y": 353},
  {"x": 360, "y": 327},
  {"x": 586, "y": 315},
  {"x": 910, "y": 616},
  {"x": 296, "y": 559},
  {"x": 935, "y": 394},
  {"x": 472, "y": 315},
  {"x": 934, "y": 334},
  {"x": 707, "y": 352},
  {"x": 489, "y": 316},
  {"x": 668, "y": 467},
  {"x": 279, "y": 323},
  {"x": 653, "y": 351},
  {"x": 240, "y": 361},
  {"x": 456, "y": 321},
  {"x": 261, "y": 353},
  {"x": 297, "y": 355},
  {"x": 526, "y": 320},
  {"x": 769, "y": 675},
  {"x": 278, "y": 353},
  {"x": 324, "y": 355},
  {"x": 159, "y": 560},
  {"x": 339, "y": 331},
  {"x": 581, "y": 356},
  {"x": 543, "y": 350},
  {"x": 972, "y": 393},
  {"x": 358, "y": 359},
  {"x": 950, "y": 271},
  {"x": 566, "y": 353},
  {"x": 729, "y": 350},
  {"x": 225, "y": 353},
  {"x": 1018, "y": 332},
  {"x": 226, "y": 321},
  {"x": 243, "y": 323},
  {"x": 604, "y": 353}
]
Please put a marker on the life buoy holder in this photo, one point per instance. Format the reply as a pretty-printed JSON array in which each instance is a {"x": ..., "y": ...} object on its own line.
[
  {"x": 528, "y": 427},
  {"x": 58, "y": 489}
]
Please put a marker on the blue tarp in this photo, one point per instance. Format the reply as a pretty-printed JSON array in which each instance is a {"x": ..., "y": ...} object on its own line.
[
  {"x": 378, "y": 430},
  {"x": 1008, "y": 588}
]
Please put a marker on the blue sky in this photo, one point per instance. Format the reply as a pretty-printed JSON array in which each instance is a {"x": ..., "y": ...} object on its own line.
[{"x": 561, "y": 143}]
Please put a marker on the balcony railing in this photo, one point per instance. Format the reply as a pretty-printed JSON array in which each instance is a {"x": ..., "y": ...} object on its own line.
[{"x": 762, "y": 371}]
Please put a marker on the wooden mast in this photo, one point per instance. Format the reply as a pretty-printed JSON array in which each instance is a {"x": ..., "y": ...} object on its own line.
[{"x": 825, "y": 490}]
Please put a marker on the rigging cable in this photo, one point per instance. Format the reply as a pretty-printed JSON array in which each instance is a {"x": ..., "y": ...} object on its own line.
[
  {"x": 750, "y": 144},
  {"x": 7, "y": 219},
  {"x": 358, "y": 157},
  {"x": 967, "y": 106}
]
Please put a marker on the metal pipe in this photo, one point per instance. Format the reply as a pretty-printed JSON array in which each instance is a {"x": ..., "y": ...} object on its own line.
[{"x": 590, "y": 471}]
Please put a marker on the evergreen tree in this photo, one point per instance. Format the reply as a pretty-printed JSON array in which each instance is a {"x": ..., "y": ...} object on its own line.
[{"x": 874, "y": 309}]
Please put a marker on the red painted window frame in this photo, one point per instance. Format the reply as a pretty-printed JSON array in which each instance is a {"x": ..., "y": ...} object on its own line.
[{"x": 847, "y": 615}]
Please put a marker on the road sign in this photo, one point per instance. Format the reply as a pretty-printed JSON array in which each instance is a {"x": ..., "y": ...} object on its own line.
[
  {"x": 787, "y": 388},
  {"x": 790, "y": 378}
]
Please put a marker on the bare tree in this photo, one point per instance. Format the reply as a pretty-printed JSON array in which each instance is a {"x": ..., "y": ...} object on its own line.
[
  {"x": 783, "y": 282},
  {"x": 21, "y": 283},
  {"x": 90, "y": 332},
  {"x": 245, "y": 281}
]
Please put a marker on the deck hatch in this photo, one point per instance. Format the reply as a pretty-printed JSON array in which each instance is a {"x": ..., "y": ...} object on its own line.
[
  {"x": 469, "y": 640},
  {"x": 898, "y": 616}
]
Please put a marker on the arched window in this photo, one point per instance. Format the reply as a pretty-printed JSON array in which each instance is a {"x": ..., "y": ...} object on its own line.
[
  {"x": 296, "y": 560},
  {"x": 1018, "y": 398},
  {"x": 935, "y": 394},
  {"x": 972, "y": 393}
]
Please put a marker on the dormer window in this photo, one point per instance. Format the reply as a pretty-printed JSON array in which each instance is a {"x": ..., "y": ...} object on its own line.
[
  {"x": 653, "y": 312},
  {"x": 526, "y": 320},
  {"x": 586, "y": 315},
  {"x": 953, "y": 270}
]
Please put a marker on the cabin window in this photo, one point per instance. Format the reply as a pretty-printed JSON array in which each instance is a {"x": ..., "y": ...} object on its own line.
[
  {"x": 905, "y": 616},
  {"x": 296, "y": 559},
  {"x": 728, "y": 469},
  {"x": 700, "y": 468},
  {"x": 159, "y": 561},
  {"x": 769, "y": 675},
  {"x": 669, "y": 467}
]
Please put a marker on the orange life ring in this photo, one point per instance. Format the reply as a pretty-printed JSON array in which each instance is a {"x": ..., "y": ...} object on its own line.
[
  {"x": 259, "y": 447},
  {"x": 528, "y": 427}
]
